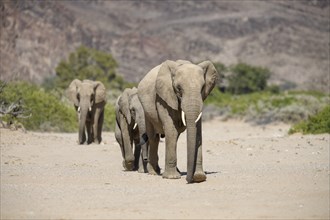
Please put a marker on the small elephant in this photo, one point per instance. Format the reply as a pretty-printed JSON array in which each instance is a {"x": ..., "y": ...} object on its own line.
[
  {"x": 130, "y": 127},
  {"x": 172, "y": 96},
  {"x": 89, "y": 99}
]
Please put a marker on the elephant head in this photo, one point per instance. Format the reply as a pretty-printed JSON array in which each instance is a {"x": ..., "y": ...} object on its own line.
[
  {"x": 184, "y": 86},
  {"x": 137, "y": 114},
  {"x": 131, "y": 123},
  {"x": 88, "y": 97}
]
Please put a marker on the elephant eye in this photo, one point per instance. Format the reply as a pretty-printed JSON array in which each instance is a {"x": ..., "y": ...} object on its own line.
[{"x": 179, "y": 90}]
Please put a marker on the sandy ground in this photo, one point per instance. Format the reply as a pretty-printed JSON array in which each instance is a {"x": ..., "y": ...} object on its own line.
[{"x": 253, "y": 172}]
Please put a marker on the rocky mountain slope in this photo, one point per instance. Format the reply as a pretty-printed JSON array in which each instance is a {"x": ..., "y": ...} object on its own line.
[{"x": 289, "y": 37}]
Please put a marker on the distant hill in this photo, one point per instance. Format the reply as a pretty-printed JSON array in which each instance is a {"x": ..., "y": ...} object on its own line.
[{"x": 289, "y": 37}]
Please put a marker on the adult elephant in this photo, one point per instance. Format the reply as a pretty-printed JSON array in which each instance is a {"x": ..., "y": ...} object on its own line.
[
  {"x": 89, "y": 99},
  {"x": 130, "y": 128},
  {"x": 172, "y": 96}
]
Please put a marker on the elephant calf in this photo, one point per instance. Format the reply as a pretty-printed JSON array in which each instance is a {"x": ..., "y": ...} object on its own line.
[
  {"x": 130, "y": 127},
  {"x": 89, "y": 99}
]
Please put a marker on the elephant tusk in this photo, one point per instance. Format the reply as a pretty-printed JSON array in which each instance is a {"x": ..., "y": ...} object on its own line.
[
  {"x": 199, "y": 116},
  {"x": 78, "y": 109},
  {"x": 90, "y": 109},
  {"x": 134, "y": 126},
  {"x": 183, "y": 118}
]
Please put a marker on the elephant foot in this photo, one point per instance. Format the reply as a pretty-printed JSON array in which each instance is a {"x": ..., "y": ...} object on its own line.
[
  {"x": 173, "y": 174},
  {"x": 199, "y": 177},
  {"x": 96, "y": 141},
  {"x": 143, "y": 168},
  {"x": 140, "y": 170},
  {"x": 128, "y": 165},
  {"x": 152, "y": 170},
  {"x": 81, "y": 143}
]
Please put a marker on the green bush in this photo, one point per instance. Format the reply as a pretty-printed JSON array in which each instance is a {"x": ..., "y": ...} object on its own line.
[
  {"x": 245, "y": 78},
  {"x": 48, "y": 113},
  {"x": 222, "y": 71},
  {"x": 86, "y": 63},
  {"x": 220, "y": 67},
  {"x": 316, "y": 124},
  {"x": 109, "y": 118}
]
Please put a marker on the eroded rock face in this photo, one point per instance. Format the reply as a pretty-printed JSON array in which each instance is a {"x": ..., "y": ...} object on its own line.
[
  {"x": 291, "y": 38},
  {"x": 35, "y": 36}
]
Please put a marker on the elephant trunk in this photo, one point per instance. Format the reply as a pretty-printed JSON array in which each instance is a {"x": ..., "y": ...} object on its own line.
[
  {"x": 82, "y": 123},
  {"x": 128, "y": 151},
  {"x": 140, "y": 120},
  {"x": 129, "y": 157},
  {"x": 192, "y": 114}
]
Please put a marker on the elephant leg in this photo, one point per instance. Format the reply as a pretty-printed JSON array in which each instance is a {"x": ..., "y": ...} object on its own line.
[
  {"x": 171, "y": 138},
  {"x": 139, "y": 163},
  {"x": 119, "y": 139},
  {"x": 83, "y": 138},
  {"x": 143, "y": 166},
  {"x": 199, "y": 175},
  {"x": 100, "y": 126},
  {"x": 137, "y": 152},
  {"x": 89, "y": 131},
  {"x": 152, "y": 166},
  {"x": 96, "y": 117},
  {"x": 143, "y": 163}
]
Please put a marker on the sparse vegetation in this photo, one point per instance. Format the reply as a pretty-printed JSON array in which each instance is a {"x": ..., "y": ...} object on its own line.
[
  {"x": 245, "y": 95},
  {"x": 50, "y": 110},
  {"x": 265, "y": 107},
  {"x": 316, "y": 124},
  {"x": 48, "y": 113}
]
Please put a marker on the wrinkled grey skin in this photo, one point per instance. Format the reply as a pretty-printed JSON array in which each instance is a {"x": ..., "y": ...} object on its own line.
[
  {"x": 130, "y": 128},
  {"x": 89, "y": 99},
  {"x": 166, "y": 91}
]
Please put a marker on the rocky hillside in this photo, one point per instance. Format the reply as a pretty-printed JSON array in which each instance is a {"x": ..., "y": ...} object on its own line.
[{"x": 289, "y": 37}]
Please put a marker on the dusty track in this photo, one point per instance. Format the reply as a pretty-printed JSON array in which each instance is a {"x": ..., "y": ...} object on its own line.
[{"x": 252, "y": 172}]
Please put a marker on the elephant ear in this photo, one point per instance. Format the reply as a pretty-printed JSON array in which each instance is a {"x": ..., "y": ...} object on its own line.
[
  {"x": 132, "y": 93},
  {"x": 123, "y": 103},
  {"x": 73, "y": 90},
  {"x": 210, "y": 76},
  {"x": 164, "y": 85},
  {"x": 100, "y": 92}
]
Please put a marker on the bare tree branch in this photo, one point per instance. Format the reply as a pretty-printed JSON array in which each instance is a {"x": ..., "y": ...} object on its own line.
[{"x": 15, "y": 109}]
